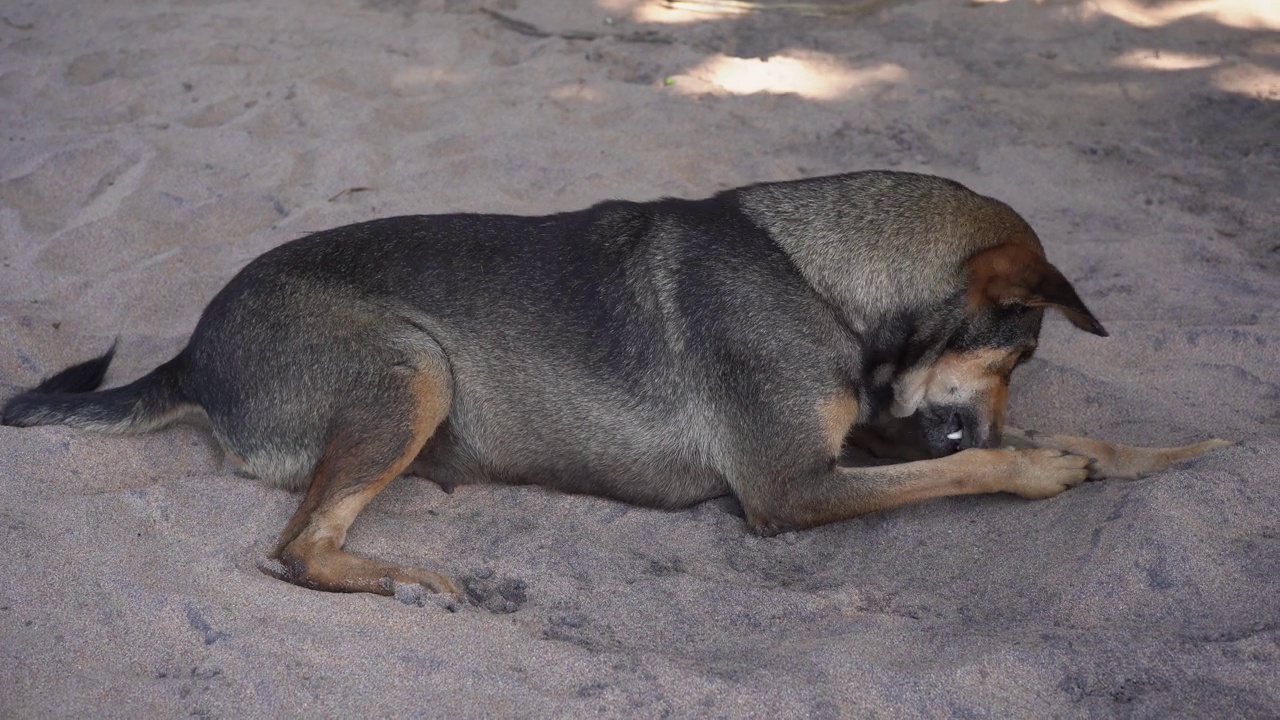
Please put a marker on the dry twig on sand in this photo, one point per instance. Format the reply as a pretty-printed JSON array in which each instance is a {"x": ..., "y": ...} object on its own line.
[
  {"x": 525, "y": 28},
  {"x": 742, "y": 7}
]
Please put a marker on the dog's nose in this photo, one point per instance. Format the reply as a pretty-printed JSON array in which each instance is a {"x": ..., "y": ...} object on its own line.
[{"x": 978, "y": 434}]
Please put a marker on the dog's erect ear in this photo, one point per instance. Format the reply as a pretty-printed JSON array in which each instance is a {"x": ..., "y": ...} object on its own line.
[{"x": 1016, "y": 274}]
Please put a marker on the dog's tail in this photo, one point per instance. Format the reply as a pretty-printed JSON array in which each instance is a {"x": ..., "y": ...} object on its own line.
[{"x": 67, "y": 398}]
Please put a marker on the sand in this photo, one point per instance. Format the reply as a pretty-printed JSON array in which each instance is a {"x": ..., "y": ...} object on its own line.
[{"x": 150, "y": 149}]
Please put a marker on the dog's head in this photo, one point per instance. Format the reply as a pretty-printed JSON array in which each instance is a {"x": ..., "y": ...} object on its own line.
[{"x": 958, "y": 399}]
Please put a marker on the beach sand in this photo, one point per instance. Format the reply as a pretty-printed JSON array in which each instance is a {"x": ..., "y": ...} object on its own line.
[{"x": 150, "y": 149}]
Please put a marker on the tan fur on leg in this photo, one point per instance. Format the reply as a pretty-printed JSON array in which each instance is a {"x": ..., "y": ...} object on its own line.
[
  {"x": 1112, "y": 461},
  {"x": 357, "y": 464}
]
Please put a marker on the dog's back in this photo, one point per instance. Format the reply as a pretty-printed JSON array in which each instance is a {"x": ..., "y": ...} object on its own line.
[{"x": 587, "y": 349}]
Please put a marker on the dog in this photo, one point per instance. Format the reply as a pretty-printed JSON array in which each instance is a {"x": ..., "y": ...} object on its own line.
[{"x": 661, "y": 353}]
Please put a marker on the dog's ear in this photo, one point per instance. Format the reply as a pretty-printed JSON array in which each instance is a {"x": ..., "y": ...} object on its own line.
[{"x": 1016, "y": 274}]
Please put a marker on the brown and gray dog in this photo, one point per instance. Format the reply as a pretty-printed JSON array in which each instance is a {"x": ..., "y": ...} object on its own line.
[{"x": 660, "y": 353}]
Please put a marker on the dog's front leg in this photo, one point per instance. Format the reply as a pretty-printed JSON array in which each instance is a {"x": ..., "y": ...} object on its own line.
[
  {"x": 841, "y": 493},
  {"x": 1111, "y": 461}
]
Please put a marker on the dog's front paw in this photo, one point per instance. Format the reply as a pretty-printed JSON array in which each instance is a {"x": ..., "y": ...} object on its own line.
[
  {"x": 1126, "y": 462},
  {"x": 1108, "y": 460},
  {"x": 1040, "y": 473}
]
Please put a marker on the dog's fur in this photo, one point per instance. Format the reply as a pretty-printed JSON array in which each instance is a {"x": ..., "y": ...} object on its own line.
[{"x": 661, "y": 353}]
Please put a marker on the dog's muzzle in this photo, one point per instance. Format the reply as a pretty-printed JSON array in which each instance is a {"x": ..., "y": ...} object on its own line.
[{"x": 949, "y": 429}]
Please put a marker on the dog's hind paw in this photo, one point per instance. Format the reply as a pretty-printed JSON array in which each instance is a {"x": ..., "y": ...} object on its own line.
[
  {"x": 338, "y": 571},
  {"x": 433, "y": 586},
  {"x": 412, "y": 593}
]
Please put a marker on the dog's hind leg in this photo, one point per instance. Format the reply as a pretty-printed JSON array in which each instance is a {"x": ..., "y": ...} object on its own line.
[
  {"x": 369, "y": 442},
  {"x": 1111, "y": 461}
]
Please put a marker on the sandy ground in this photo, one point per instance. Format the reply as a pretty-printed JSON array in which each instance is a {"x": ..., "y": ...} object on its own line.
[{"x": 149, "y": 149}]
